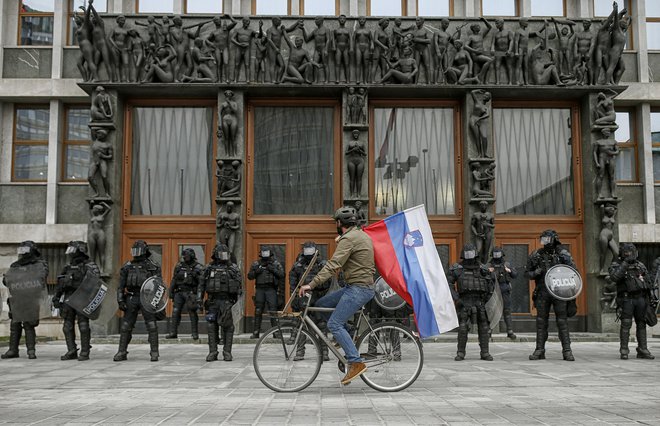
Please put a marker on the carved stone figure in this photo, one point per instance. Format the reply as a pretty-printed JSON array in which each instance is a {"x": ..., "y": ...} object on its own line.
[
  {"x": 300, "y": 61},
  {"x": 203, "y": 64},
  {"x": 544, "y": 70},
  {"x": 475, "y": 46},
  {"x": 481, "y": 181},
  {"x": 219, "y": 39},
  {"x": 321, "y": 37},
  {"x": 83, "y": 34},
  {"x": 242, "y": 39},
  {"x": 356, "y": 100},
  {"x": 606, "y": 242},
  {"x": 482, "y": 225},
  {"x": 382, "y": 48},
  {"x": 565, "y": 39},
  {"x": 101, "y": 109},
  {"x": 275, "y": 61},
  {"x": 362, "y": 44},
  {"x": 161, "y": 65},
  {"x": 398, "y": 32},
  {"x": 120, "y": 40},
  {"x": 361, "y": 214},
  {"x": 355, "y": 160},
  {"x": 96, "y": 238},
  {"x": 229, "y": 178},
  {"x": 441, "y": 43},
  {"x": 605, "y": 152},
  {"x": 584, "y": 47},
  {"x": 153, "y": 30},
  {"x": 262, "y": 45},
  {"x": 422, "y": 45},
  {"x": 102, "y": 54},
  {"x": 138, "y": 55},
  {"x": 605, "y": 115},
  {"x": 229, "y": 123},
  {"x": 340, "y": 43},
  {"x": 502, "y": 48},
  {"x": 521, "y": 52},
  {"x": 619, "y": 36},
  {"x": 100, "y": 153},
  {"x": 404, "y": 70},
  {"x": 229, "y": 223},
  {"x": 479, "y": 122},
  {"x": 603, "y": 44}
]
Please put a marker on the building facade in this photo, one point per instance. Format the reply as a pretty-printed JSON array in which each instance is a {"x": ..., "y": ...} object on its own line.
[{"x": 169, "y": 126}]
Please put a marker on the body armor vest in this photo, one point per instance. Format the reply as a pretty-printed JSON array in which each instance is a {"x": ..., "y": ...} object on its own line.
[
  {"x": 265, "y": 277},
  {"x": 472, "y": 281},
  {"x": 222, "y": 279},
  {"x": 632, "y": 281},
  {"x": 72, "y": 276},
  {"x": 299, "y": 270},
  {"x": 501, "y": 273},
  {"x": 185, "y": 277},
  {"x": 138, "y": 273}
]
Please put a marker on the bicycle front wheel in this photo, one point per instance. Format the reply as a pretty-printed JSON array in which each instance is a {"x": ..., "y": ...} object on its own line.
[
  {"x": 393, "y": 355},
  {"x": 287, "y": 358}
]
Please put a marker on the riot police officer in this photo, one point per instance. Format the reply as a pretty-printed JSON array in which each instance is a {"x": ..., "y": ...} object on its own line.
[
  {"x": 474, "y": 286},
  {"x": 504, "y": 273},
  {"x": 267, "y": 272},
  {"x": 67, "y": 283},
  {"x": 553, "y": 253},
  {"x": 221, "y": 280},
  {"x": 183, "y": 291},
  {"x": 298, "y": 304},
  {"x": 634, "y": 290},
  {"x": 26, "y": 280},
  {"x": 131, "y": 277}
]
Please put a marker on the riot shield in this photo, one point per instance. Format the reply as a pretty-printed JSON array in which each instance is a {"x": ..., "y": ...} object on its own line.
[
  {"x": 387, "y": 298},
  {"x": 563, "y": 282},
  {"x": 27, "y": 289},
  {"x": 494, "y": 307},
  {"x": 87, "y": 299},
  {"x": 153, "y": 295}
]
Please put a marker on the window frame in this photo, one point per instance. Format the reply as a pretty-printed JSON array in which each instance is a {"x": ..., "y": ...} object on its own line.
[
  {"x": 185, "y": 9},
  {"x": 632, "y": 143},
  {"x": 22, "y": 14},
  {"x": 564, "y": 8},
  {"x": 654, "y": 19},
  {"x": 16, "y": 142},
  {"x": 253, "y": 8},
  {"x": 404, "y": 8},
  {"x": 71, "y": 142},
  {"x": 301, "y": 4},
  {"x": 517, "y": 13},
  {"x": 69, "y": 22},
  {"x": 451, "y": 9},
  {"x": 655, "y": 146}
]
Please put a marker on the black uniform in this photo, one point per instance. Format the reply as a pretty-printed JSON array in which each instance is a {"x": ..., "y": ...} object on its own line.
[
  {"x": 267, "y": 273},
  {"x": 67, "y": 283},
  {"x": 473, "y": 288},
  {"x": 538, "y": 264},
  {"x": 131, "y": 277},
  {"x": 634, "y": 291},
  {"x": 504, "y": 279},
  {"x": 183, "y": 292},
  {"x": 377, "y": 315}
]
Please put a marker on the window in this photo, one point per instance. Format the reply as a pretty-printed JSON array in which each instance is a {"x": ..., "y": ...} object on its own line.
[
  {"x": 548, "y": 8},
  {"x": 204, "y": 6},
  {"x": 30, "y": 143},
  {"x": 655, "y": 141},
  {"x": 101, "y": 6},
  {"x": 653, "y": 25},
  {"x": 499, "y": 7},
  {"x": 76, "y": 144},
  {"x": 603, "y": 9},
  {"x": 626, "y": 163},
  {"x": 155, "y": 6},
  {"x": 386, "y": 8},
  {"x": 534, "y": 157},
  {"x": 270, "y": 7},
  {"x": 35, "y": 23},
  {"x": 414, "y": 160},
  {"x": 434, "y": 8},
  {"x": 319, "y": 7}
]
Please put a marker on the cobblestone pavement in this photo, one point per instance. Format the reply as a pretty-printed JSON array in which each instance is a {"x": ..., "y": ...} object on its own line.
[{"x": 182, "y": 388}]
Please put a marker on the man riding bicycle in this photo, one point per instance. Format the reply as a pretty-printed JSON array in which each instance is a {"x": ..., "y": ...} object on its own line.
[{"x": 354, "y": 256}]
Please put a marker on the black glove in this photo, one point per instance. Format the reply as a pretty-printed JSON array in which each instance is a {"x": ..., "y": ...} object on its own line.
[
  {"x": 57, "y": 304},
  {"x": 122, "y": 303},
  {"x": 538, "y": 271}
]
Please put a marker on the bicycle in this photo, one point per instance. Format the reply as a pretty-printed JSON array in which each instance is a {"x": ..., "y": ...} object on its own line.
[{"x": 392, "y": 352}]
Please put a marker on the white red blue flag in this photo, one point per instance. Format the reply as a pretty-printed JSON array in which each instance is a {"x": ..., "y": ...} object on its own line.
[{"x": 407, "y": 259}]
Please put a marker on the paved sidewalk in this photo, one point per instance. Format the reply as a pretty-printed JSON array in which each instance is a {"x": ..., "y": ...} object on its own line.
[{"x": 182, "y": 388}]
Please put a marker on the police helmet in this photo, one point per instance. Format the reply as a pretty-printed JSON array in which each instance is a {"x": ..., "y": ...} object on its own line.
[
  {"x": 346, "y": 215},
  {"x": 28, "y": 248},
  {"x": 221, "y": 252},
  {"x": 189, "y": 253},
  {"x": 498, "y": 253},
  {"x": 309, "y": 248},
  {"x": 77, "y": 248},
  {"x": 469, "y": 252},
  {"x": 550, "y": 238},
  {"x": 140, "y": 248},
  {"x": 628, "y": 250}
]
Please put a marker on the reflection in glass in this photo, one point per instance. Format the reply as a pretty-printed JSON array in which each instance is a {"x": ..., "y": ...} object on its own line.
[
  {"x": 655, "y": 127},
  {"x": 197, "y": 248},
  {"x": 36, "y": 6},
  {"x": 156, "y": 6},
  {"x": 516, "y": 255},
  {"x": 30, "y": 162},
  {"x": 156, "y": 253},
  {"x": 320, "y": 8},
  {"x": 653, "y": 35},
  {"x": 204, "y": 6},
  {"x": 32, "y": 124},
  {"x": 77, "y": 162},
  {"x": 414, "y": 159},
  {"x": 171, "y": 164},
  {"x": 77, "y": 128},
  {"x": 548, "y": 7},
  {"x": 36, "y": 30},
  {"x": 386, "y": 8},
  {"x": 498, "y": 7},
  {"x": 293, "y": 160},
  {"x": 656, "y": 164},
  {"x": 603, "y": 8},
  {"x": 622, "y": 134},
  {"x": 625, "y": 165},
  {"x": 272, "y": 7},
  {"x": 443, "y": 252},
  {"x": 534, "y": 158},
  {"x": 432, "y": 7}
]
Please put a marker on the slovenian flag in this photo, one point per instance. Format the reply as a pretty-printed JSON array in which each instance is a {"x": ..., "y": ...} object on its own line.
[{"x": 408, "y": 261}]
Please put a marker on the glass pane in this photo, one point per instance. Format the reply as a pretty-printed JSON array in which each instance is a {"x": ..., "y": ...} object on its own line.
[
  {"x": 272, "y": 7},
  {"x": 625, "y": 165},
  {"x": 653, "y": 35},
  {"x": 547, "y": 7},
  {"x": 29, "y": 6},
  {"x": 32, "y": 124},
  {"x": 76, "y": 126},
  {"x": 293, "y": 160},
  {"x": 320, "y": 7},
  {"x": 101, "y": 6},
  {"x": 443, "y": 252},
  {"x": 36, "y": 30},
  {"x": 155, "y": 6},
  {"x": 498, "y": 7},
  {"x": 172, "y": 157},
  {"x": 656, "y": 165},
  {"x": 156, "y": 253},
  {"x": 655, "y": 127},
  {"x": 414, "y": 161},
  {"x": 534, "y": 159},
  {"x": 653, "y": 9},
  {"x": 199, "y": 250},
  {"x": 77, "y": 162},
  {"x": 517, "y": 254},
  {"x": 603, "y": 8},
  {"x": 30, "y": 162},
  {"x": 386, "y": 8},
  {"x": 622, "y": 134},
  {"x": 204, "y": 6},
  {"x": 433, "y": 7}
]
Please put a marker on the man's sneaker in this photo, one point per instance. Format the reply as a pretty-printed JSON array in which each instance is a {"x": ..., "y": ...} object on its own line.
[{"x": 354, "y": 370}]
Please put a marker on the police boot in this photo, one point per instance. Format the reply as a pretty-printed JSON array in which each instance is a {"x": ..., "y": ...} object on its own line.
[
  {"x": 642, "y": 349},
  {"x": 257, "y": 326},
  {"x": 153, "y": 342},
  {"x": 70, "y": 338},
  {"x": 462, "y": 343},
  {"x": 273, "y": 323},
  {"x": 624, "y": 337},
  {"x": 85, "y": 340},
  {"x": 372, "y": 350},
  {"x": 221, "y": 340},
  {"x": 509, "y": 328},
  {"x": 565, "y": 339},
  {"x": 483, "y": 342},
  {"x": 124, "y": 338},
  {"x": 300, "y": 349},
  {"x": 541, "y": 338},
  {"x": 15, "y": 331},
  {"x": 396, "y": 345},
  {"x": 212, "y": 333},
  {"x": 30, "y": 341},
  {"x": 226, "y": 347},
  {"x": 173, "y": 328},
  {"x": 324, "y": 352},
  {"x": 194, "y": 325}
]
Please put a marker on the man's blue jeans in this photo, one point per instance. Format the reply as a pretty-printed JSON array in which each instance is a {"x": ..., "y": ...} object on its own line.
[{"x": 346, "y": 301}]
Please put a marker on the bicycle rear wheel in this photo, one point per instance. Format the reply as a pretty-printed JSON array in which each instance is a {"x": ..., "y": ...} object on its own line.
[
  {"x": 274, "y": 356},
  {"x": 393, "y": 355}
]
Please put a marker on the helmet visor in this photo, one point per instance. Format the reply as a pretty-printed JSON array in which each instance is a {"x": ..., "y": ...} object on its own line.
[
  {"x": 70, "y": 250},
  {"x": 265, "y": 253},
  {"x": 545, "y": 240},
  {"x": 137, "y": 251},
  {"x": 223, "y": 255},
  {"x": 23, "y": 250},
  {"x": 497, "y": 255},
  {"x": 309, "y": 251},
  {"x": 469, "y": 254}
]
